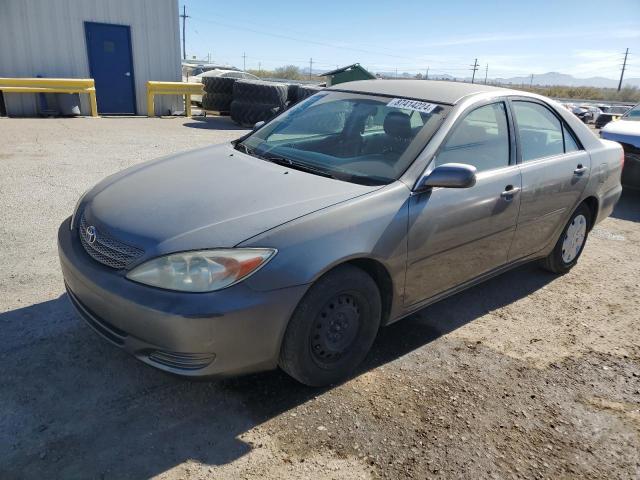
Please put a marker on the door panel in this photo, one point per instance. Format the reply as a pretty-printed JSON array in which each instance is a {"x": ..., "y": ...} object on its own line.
[
  {"x": 111, "y": 66},
  {"x": 458, "y": 234},
  {"x": 550, "y": 190},
  {"x": 552, "y": 180}
]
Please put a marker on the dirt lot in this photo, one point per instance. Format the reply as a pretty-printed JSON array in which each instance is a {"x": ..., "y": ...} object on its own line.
[{"x": 529, "y": 375}]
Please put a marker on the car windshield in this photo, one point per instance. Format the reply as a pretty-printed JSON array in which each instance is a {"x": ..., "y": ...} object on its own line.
[
  {"x": 633, "y": 114},
  {"x": 358, "y": 138}
]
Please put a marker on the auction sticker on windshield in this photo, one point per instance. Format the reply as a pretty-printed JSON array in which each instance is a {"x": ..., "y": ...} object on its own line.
[{"x": 417, "y": 105}]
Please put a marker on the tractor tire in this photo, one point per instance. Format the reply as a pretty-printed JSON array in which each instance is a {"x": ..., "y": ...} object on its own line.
[
  {"x": 219, "y": 102},
  {"x": 260, "y": 92},
  {"x": 247, "y": 114},
  {"x": 292, "y": 93},
  {"x": 305, "y": 91},
  {"x": 218, "y": 84}
]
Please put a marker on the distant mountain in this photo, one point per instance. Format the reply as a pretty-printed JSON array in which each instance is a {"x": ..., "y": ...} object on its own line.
[
  {"x": 545, "y": 79},
  {"x": 555, "y": 78}
]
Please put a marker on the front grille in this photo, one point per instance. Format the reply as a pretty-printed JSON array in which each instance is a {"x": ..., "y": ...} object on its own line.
[{"x": 106, "y": 249}]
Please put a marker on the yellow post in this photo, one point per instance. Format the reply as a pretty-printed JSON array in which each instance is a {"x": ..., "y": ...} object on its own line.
[
  {"x": 187, "y": 105},
  {"x": 53, "y": 85},
  {"x": 151, "y": 111},
  {"x": 93, "y": 103},
  {"x": 172, "y": 88}
]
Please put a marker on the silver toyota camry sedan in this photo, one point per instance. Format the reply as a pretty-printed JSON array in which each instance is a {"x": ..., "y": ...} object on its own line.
[{"x": 294, "y": 244}]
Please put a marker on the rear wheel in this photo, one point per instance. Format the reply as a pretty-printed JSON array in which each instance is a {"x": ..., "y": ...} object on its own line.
[
  {"x": 333, "y": 327},
  {"x": 571, "y": 243}
]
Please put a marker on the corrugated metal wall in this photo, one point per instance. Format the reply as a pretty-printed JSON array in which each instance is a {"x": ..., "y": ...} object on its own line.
[{"x": 46, "y": 37}]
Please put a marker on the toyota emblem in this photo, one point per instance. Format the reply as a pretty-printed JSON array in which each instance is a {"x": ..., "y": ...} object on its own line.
[{"x": 91, "y": 234}]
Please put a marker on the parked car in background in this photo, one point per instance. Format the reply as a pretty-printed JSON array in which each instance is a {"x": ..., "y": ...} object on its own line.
[
  {"x": 352, "y": 209},
  {"x": 610, "y": 113},
  {"x": 218, "y": 72},
  {"x": 626, "y": 131}
]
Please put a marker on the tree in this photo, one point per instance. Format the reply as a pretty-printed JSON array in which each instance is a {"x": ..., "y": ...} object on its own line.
[{"x": 290, "y": 72}]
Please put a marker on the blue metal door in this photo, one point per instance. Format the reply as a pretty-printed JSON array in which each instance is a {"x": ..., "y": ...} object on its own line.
[{"x": 111, "y": 66}]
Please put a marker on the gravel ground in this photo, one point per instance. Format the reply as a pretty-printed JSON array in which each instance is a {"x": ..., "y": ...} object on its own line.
[{"x": 529, "y": 375}]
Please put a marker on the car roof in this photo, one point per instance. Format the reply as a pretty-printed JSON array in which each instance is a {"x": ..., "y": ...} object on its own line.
[{"x": 432, "y": 90}]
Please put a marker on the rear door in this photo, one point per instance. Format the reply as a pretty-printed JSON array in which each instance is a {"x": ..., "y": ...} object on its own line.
[
  {"x": 456, "y": 235},
  {"x": 111, "y": 66},
  {"x": 555, "y": 170}
]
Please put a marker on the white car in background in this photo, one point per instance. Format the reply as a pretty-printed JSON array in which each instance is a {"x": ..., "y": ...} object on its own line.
[
  {"x": 217, "y": 72},
  {"x": 626, "y": 132}
]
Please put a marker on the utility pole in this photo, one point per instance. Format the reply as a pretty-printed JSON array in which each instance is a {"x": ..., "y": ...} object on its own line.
[
  {"x": 531, "y": 81},
  {"x": 474, "y": 67},
  {"x": 184, "y": 17},
  {"x": 486, "y": 72},
  {"x": 310, "y": 67},
  {"x": 244, "y": 62},
  {"x": 624, "y": 65},
  {"x": 259, "y": 68},
  {"x": 426, "y": 77},
  {"x": 396, "y": 73}
]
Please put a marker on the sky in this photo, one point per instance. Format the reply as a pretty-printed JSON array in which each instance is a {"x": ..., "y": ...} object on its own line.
[{"x": 582, "y": 38}]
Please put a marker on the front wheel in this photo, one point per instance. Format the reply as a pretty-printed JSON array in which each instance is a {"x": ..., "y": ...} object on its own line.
[
  {"x": 571, "y": 243},
  {"x": 333, "y": 327}
]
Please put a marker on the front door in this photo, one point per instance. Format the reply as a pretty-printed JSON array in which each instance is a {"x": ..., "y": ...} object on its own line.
[
  {"x": 555, "y": 171},
  {"x": 111, "y": 66},
  {"x": 456, "y": 235}
]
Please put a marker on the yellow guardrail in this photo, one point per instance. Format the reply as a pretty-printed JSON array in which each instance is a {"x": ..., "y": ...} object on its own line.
[
  {"x": 52, "y": 85},
  {"x": 172, "y": 88}
]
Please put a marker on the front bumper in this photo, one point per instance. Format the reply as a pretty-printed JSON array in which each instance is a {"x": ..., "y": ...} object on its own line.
[{"x": 229, "y": 332}]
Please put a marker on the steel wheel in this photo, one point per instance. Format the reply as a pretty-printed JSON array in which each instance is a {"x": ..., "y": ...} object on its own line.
[
  {"x": 335, "y": 328},
  {"x": 574, "y": 238}
]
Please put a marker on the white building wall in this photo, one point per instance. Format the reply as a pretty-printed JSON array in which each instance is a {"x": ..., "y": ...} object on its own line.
[{"x": 47, "y": 38}]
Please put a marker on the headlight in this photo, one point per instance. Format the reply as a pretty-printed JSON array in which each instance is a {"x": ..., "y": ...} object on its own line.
[
  {"x": 75, "y": 209},
  {"x": 201, "y": 271}
]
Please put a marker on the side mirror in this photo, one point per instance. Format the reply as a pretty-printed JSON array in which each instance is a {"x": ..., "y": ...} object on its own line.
[
  {"x": 449, "y": 175},
  {"x": 258, "y": 125}
]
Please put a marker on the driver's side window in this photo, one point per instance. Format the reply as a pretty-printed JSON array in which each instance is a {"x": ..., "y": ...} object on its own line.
[{"x": 481, "y": 139}]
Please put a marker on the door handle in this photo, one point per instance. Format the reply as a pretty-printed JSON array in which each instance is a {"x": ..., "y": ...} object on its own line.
[
  {"x": 128, "y": 74},
  {"x": 580, "y": 170},
  {"x": 509, "y": 192}
]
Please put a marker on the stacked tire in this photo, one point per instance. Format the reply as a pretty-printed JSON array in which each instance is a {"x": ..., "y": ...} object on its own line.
[
  {"x": 256, "y": 101},
  {"x": 305, "y": 91},
  {"x": 218, "y": 93}
]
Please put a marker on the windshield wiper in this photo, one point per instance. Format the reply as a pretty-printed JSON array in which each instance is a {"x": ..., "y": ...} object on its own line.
[
  {"x": 287, "y": 162},
  {"x": 243, "y": 148}
]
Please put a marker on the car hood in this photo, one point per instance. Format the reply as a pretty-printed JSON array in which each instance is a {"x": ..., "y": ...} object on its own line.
[
  {"x": 625, "y": 131},
  {"x": 207, "y": 198}
]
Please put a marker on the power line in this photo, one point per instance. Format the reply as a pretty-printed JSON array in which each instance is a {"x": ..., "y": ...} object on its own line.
[
  {"x": 474, "y": 67},
  {"x": 624, "y": 65},
  {"x": 184, "y": 17}
]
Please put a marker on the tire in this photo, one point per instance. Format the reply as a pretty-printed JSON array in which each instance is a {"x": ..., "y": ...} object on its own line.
[
  {"x": 292, "y": 93},
  {"x": 218, "y": 84},
  {"x": 315, "y": 350},
  {"x": 569, "y": 246},
  {"x": 248, "y": 114},
  {"x": 257, "y": 91},
  {"x": 219, "y": 102},
  {"x": 305, "y": 91}
]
